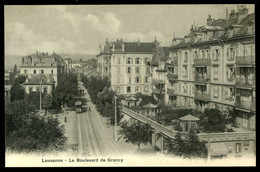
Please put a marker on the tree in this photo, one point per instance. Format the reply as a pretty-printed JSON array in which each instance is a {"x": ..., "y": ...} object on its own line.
[
  {"x": 137, "y": 133},
  {"x": 17, "y": 91},
  {"x": 33, "y": 98},
  {"x": 213, "y": 121},
  {"x": 15, "y": 70},
  {"x": 189, "y": 147},
  {"x": 27, "y": 131}
]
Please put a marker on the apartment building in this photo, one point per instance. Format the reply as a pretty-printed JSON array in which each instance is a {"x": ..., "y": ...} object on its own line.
[
  {"x": 216, "y": 66},
  {"x": 129, "y": 70},
  {"x": 42, "y": 70}
]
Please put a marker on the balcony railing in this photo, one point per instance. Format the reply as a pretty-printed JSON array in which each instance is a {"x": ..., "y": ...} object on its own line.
[
  {"x": 171, "y": 76},
  {"x": 170, "y": 91},
  {"x": 245, "y": 104},
  {"x": 245, "y": 82},
  {"x": 202, "y": 96},
  {"x": 245, "y": 60},
  {"x": 202, "y": 79},
  {"x": 202, "y": 62},
  {"x": 158, "y": 81}
]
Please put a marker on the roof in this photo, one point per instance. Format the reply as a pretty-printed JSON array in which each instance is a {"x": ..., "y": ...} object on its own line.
[
  {"x": 36, "y": 80},
  {"x": 217, "y": 149},
  {"x": 139, "y": 47},
  {"x": 131, "y": 98},
  {"x": 189, "y": 118},
  {"x": 150, "y": 106},
  {"x": 161, "y": 54}
]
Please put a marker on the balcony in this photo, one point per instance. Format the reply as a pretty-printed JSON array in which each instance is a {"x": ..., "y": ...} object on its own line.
[
  {"x": 202, "y": 79},
  {"x": 245, "y": 82},
  {"x": 172, "y": 77},
  {"x": 170, "y": 91},
  {"x": 158, "y": 81},
  {"x": 202, "y": 62},
  {"x": 245, "y": 104},
  {"x": 230, "y": 58},
  {"x": 202, "y": 96},
  {"x": 245, "y": 60}
]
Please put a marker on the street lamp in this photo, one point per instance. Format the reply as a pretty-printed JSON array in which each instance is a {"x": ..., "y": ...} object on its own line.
[
  {"x": 115, "y": 125},
  {"x": 41, "y": 93}
]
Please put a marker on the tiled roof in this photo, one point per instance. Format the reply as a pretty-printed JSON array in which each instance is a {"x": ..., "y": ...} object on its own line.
[
  {"x": 244, "y": 23},
  {"x": 139, "y": 47}
]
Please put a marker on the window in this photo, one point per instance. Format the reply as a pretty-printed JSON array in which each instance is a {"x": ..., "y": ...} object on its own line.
[
  {"x": 129, "y": 70},
  {"x": 196, "y": 55},
  {"x": 203, "y": 54},
  {"x": 118, "y": 89},
  {"x": 207, "y": 52},
  {"x": 215, "y": 73},
  {"x": 146, "y": 89},
  {"x": 118, "y": 70},
  {"x": 34, "y": 64},
  {"x": 51, "y": 64},
  {"x": 118, "y": 60},
  {"x": 128, "y": 89},
  {"x": 42, "y": 71},
  {"x": 145, "y": 60},
  {"x": 216, "y": 55},
  {"x": 34, "y": 72},
  {"x": 238, "y": 147},
  {"x": 146, "y": 79},
  {"x": 186, "y": 57},
  {"x": 230, "y": 73},
  {"x": 38, "y": 89},
  {"x": 185, "y": 71},
  {"x": 245, "y": 120},
  {"x": 51, "y": 71},
  {"x": 106, "y": 70},
  {"x": 216, "y": 91},
  {"x": 137, "y": 79},
  {"x": 25, "y": 71},
  {"x": 137, "y": 89},
  {"x": 137, "y": 70},
  {"x": 128, "y": 60},
  {"x": 137, "y": 61}
]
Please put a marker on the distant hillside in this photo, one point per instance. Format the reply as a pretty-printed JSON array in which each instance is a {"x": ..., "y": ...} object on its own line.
[{"x": 11, "y": 60}]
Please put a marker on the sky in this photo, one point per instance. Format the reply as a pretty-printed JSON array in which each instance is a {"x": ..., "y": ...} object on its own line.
[{"x": 82, "y": 28}]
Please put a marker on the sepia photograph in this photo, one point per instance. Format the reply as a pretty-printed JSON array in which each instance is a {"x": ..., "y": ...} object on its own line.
[{"x": 148, "y": 85}]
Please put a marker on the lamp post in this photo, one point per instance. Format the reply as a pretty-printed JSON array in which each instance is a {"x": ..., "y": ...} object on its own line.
[
  {"x": 115, "y": 125},
  {"x": 41, "y": 93}
]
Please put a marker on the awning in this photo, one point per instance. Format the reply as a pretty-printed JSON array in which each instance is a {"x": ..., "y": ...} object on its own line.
[
  {"x": 244, "y": 110},
  {"x": 218, "y": 149}
]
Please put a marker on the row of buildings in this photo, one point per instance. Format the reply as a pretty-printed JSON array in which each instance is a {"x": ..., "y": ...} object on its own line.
[{"x": 213, "y": 66}]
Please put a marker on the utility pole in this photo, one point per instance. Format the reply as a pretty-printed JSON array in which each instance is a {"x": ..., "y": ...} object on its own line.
[{"x": 115, "y": 126}]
